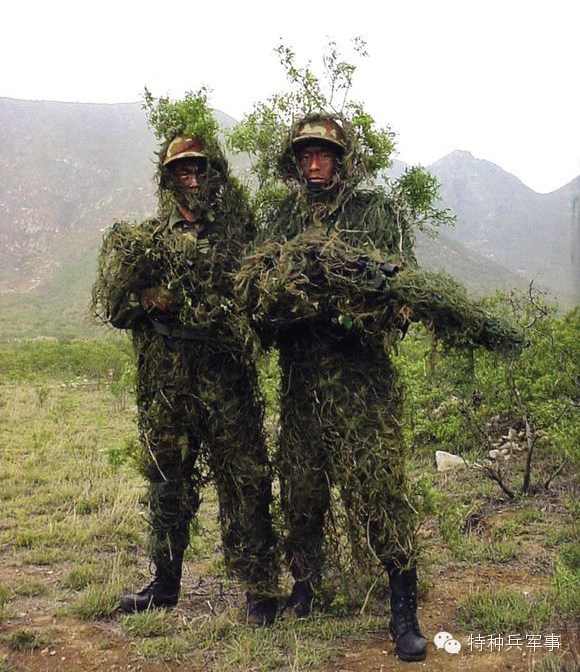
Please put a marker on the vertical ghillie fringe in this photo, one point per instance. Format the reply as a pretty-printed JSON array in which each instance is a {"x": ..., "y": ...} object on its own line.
[
  {"x": 200, "y": 414},
  {"x": 315, "y": 288}
]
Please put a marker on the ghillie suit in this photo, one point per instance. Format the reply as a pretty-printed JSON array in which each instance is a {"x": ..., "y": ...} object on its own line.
[
  {"x": 318, "y": 291},
  {"x": 197, "y": 391}
]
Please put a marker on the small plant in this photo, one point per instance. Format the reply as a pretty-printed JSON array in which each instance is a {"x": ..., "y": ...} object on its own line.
[
  {"x": 566, "y": 583},
  {"x": 150, "y": 623},
  {"x": 552, "y": 663},
  {"x": 27, "y": 640},
  {"x": 26, "y": 539},
  {"x": 174, "y": 648},
  {"x": 97, "y": 602},
  {"x": 30, "y": 588},
  {"x": 127, "y": 451},
  {"x": 81, "y": 576},
  {"x": 5, "y": 596}
]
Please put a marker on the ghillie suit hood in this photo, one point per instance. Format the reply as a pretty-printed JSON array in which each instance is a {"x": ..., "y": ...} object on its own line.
[
  {"x": 362, "y": 215},
  {"x": 172, "y": 194}
]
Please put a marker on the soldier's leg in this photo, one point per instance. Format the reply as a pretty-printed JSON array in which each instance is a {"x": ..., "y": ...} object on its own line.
[
  {"x": 369, "y": 465},
  {"x": 303, "y": 468},
  {"x": 233, "y": 433},
  {"x": 167, "y": 413}
]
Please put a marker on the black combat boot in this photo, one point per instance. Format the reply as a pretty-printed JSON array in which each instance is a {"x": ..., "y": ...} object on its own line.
[
  {"x": 404, "y": 627},
  {"x": 159, "y": 593},
  {"x": 261, "y": 610},
  {"x": 163, "y": 591},
  {"x": 301, "y": 598}
]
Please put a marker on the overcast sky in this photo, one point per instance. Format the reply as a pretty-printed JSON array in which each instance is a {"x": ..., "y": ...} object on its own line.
[{"x": 498, "y": 78}]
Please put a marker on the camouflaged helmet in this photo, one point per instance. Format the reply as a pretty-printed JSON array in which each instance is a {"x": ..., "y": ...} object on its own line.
[
  {"x": 319, "y": 129},
  {"x": 184, "y": 148}
]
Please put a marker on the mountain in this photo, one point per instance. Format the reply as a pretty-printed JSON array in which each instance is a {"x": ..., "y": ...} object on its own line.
[
  {"x": 534, "y": 235},
  {"x": 69, "y": 170}
]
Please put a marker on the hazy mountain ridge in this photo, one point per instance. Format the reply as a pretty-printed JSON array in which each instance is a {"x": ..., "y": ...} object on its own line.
[
  {"x": 69, "y": 170},
  {"x": 534, "y": 235},
  {"x": 60, "y": 164}
]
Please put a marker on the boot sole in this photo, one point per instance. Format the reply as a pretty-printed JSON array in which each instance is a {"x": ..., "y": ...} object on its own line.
[
  {"x": 132, "y": 608},
  {"x": 408, "y": 658},
  {"x": 411, "y": 659}
]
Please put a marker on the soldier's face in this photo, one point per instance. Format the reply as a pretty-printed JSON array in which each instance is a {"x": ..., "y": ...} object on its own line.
[
  {"x": 190, "y": 173},
  {"x": 317, "y": 163}
]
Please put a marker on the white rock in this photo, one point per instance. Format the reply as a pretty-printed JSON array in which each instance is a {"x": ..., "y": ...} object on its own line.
[
  {"x": 448, "y": 461},
  {"x": 494, "y": 454}
]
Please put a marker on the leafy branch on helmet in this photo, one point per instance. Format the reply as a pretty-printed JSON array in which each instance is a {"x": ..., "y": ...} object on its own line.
[
  {"x": 266, "y": 134},
  {"x": 190, "y": 116},
  {"x": 263, "y": 132}
]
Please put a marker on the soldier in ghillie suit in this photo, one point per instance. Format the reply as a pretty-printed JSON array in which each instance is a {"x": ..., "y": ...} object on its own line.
[
  {"x": 169, "y": 281},
  {"x": 321, "y": 291}
]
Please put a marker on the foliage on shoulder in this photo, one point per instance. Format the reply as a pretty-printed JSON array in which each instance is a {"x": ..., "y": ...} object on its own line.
[{"x": 416, "y": 194}]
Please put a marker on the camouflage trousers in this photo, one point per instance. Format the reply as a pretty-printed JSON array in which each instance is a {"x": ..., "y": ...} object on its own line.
[
  {"x": 199, "y": 406},
  {"x": 340, "y": 426}
]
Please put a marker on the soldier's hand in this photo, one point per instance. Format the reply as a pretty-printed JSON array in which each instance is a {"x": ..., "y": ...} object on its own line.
[{"x": 158, "y": 298}]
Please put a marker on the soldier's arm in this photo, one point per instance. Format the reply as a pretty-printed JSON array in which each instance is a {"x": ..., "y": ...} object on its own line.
[
  {"x": 127, "y": 265},
  {"x": 444, "y": 307}
]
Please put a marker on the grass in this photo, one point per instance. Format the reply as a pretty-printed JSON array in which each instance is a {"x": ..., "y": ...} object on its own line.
[
  {"x": 154, "y": 623},
  {"x": 170, "y": 648},
  {"x": 566, "y": 587},
  {"x": 81, "y": 576},
  {"x": 504, "y": 610},
  {"x": 30, "y": 588},
  {"x": 557, "y": 664},
  {"x": 5, "y": 596}
]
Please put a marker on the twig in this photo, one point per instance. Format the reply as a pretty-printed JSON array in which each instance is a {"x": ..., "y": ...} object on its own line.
[
  {"x": 495, "y": 475},
  {"x": 554, "y": 473}
]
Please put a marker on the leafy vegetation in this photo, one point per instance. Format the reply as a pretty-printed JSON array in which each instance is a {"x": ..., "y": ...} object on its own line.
[
  {"x": 44, "y": 359},
  {"x": 515, "y": 420},
  {"x": 504, "y": 611}
]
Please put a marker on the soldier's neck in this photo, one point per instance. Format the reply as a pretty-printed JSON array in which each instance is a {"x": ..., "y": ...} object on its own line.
[{"x": 187, "y": 214}]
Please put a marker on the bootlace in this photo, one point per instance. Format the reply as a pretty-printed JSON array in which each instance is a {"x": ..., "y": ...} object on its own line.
[
  {"x": 405, "y": 616},
  {"x": 407, "y": 620},
  {"x": 151, "y": 587},
  {"x": 158, "y": 585}
]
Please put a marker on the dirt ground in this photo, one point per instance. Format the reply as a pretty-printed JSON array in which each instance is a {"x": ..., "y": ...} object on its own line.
[{"x": 80, "y": 647}]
